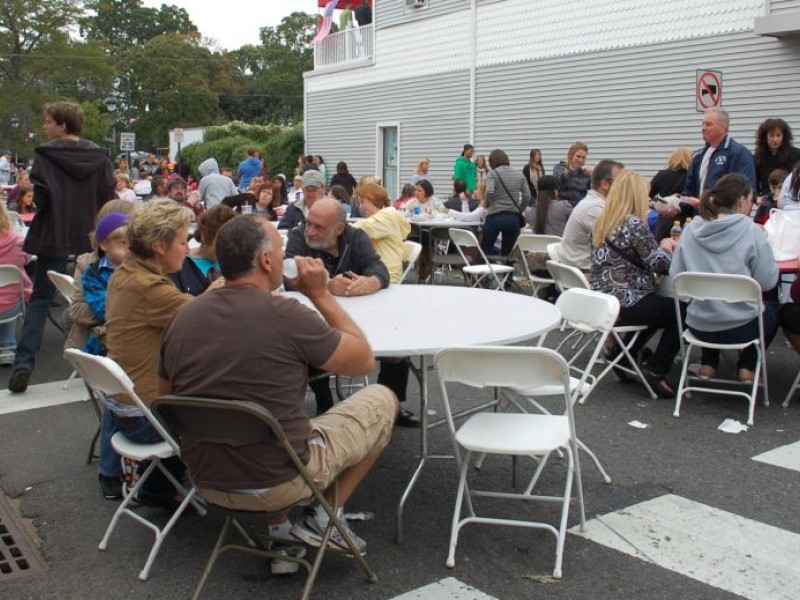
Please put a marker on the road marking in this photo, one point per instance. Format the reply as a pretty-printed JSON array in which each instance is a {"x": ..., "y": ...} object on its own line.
[
  {"x": 445, "y": 589},
  {"x": 42, "y": 395},
  {"x": 715, "y": 547},
  {"x": 787, "y": 457}
]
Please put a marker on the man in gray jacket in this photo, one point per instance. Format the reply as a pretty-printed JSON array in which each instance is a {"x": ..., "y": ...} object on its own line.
[{"x": 213, "y": 186}]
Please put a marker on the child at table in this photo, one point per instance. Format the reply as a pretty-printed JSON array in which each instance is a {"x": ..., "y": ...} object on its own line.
[{"x": 11, "y": 254}]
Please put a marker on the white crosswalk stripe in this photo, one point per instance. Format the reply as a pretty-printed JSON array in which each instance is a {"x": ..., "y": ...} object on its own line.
[
  {"x": 713, "y": 546},
  {"x": 445, "y": 589},
  {"x": 42, "y": 395},
  {"x": 787, "y": 457}
]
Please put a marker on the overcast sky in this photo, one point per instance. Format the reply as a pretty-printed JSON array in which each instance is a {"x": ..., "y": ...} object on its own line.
[{"x": 234, "y": 23}]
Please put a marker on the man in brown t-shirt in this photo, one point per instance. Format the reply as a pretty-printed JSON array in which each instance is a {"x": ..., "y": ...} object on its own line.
[{"x": 242, "y": 342}]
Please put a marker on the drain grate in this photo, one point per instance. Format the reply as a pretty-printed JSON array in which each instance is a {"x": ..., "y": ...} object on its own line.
[{"x": 18, "y": 554}]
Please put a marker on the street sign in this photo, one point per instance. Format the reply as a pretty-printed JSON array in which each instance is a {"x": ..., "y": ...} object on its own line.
[
  {"x": 127, "y": 142},
  {"x": 177, "y": 134},
  {"x": 708, "y": 89}
]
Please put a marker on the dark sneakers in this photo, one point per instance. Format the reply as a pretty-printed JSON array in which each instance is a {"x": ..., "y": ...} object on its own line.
[
  {"x": 19, "y": 380},
  {"x": 110, "y": 487},
  {"x": 406, "y": 418}
]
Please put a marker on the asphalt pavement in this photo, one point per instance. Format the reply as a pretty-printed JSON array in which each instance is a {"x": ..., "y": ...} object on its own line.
[{"x": 43, "y": 470}]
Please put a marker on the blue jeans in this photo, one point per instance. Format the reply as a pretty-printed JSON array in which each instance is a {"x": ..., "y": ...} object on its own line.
[
  {"x": 140, "y": 431},
  {"x": 109, "y": 464},
  {"x": 8, "y": 331},
  {"x": 737, "y": 335},
  {"x": 38, "y": 309},
  {"x": 506, "y": 223}
]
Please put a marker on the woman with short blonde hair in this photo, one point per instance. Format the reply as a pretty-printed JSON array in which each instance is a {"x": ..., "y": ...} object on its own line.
[
  {"x": 421, "y": 172},
  {"x": 625, "y": 262}
]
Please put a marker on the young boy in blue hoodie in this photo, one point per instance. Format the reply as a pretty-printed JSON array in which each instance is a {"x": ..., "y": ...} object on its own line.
[{"x": 111, "y": 235}]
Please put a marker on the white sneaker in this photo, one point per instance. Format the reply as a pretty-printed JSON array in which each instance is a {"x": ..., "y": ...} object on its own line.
[
  {"x": 310, "y": 531},
  {"x": 286, "y": 567},
  {"x": 7, "y": 359}
]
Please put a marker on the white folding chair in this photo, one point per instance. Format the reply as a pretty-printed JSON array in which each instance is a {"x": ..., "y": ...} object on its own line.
[
  {"x": 567, "y": 278},
  {"x": 700, "y": 287},
  {"x": 16, "y": 220},
  {"x": 494, "y": 274},
  {"x": 105, "y": 376},
  {"x": 511, "y": 434},
  {"x": 554, "y": 251},
  {"x": 12, "y": 276},
  {"x": 65, "y": 284},
  {"x": 791, "y": 391},
  {"x": 531, "y": 244},
  {"x": 411, "y": 252}
]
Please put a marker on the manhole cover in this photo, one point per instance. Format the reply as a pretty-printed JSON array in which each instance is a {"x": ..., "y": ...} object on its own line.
[{"x": 18, "y": 554}]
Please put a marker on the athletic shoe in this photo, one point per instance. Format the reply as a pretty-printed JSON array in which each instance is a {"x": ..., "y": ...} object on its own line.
[
  {"x": 286, "y": 567},
  {"x": 6, "y": 360},
  {"x": 309, "y": 531},
  {"x": 19, "y": 380},
  {"x": 110, "y": 487}
]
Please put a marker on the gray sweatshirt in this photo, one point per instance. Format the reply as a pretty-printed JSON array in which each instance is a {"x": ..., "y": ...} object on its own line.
[
  {"x": 730, "y": 244},
  {"x": 213, "y": 186}
]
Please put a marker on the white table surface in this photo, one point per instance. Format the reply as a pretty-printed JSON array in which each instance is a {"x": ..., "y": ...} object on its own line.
[
  {"x": 443, "y": 222},
  {"x": 420, "y": 320}
]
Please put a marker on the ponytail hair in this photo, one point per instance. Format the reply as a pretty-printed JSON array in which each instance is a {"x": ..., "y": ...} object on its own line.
[{"x": 724, "y": 196}]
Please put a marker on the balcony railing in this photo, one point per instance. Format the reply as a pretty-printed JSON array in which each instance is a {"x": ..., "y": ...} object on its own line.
[{"x": 346, "y": 46}]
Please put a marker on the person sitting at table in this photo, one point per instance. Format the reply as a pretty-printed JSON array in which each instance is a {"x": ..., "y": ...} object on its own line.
[
  {"x": 790, "y": 315},
  {"x": 313, "y": 190},
  {"x": 266, "y": 201},
  {"x": 406, "y": 196},
  {"x": 723, "y": 239},
  {"x": 25, "y": 206},
  {"x": 141, "y": 300},
  {"x": 272, "y": 341},
  {"x": 200, "y": 267},
  {"x": 424, "y": 200},
  {"x": 551, "y": 213},
  {"x": 625, "y": 262},
  {"x": 11, "y": 253},
  {"x": 355, "y": 269},
  {"x": 460, "y": 201},
  {"x": 476, "y": 215},
  {"x": 23, "y": 181}
]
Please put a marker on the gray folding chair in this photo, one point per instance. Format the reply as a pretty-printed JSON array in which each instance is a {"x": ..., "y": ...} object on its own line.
[{"x": 233, "y": 424}]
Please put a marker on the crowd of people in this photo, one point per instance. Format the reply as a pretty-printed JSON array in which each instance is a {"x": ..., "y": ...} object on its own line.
[{"x": 141, "y": 287}]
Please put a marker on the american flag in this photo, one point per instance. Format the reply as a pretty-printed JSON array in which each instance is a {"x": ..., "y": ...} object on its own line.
[{"x": 327, "y": 19}]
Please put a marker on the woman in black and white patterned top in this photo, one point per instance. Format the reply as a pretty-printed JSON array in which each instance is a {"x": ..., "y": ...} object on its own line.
[{"x": 625, "y": 262}]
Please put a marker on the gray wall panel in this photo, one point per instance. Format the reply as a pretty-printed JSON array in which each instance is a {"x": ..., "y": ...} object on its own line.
[
  {"x": 394, "y": 12},
  {"x": 777, "y": 7},
  {"x": 433, "y": 113}
]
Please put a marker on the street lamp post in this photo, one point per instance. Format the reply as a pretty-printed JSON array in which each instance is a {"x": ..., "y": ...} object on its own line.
[
  {"x": 111, "y": 106},
  {"x": 14, "y": 125}
]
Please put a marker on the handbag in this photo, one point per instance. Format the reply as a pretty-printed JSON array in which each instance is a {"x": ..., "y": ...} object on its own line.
[
  {"x": 781, "y": 229},
  {"x": 520, "y": 216}
]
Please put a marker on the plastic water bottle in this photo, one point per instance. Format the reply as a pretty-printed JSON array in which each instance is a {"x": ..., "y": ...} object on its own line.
[
  {"x": 676, "y": 231},
  {"x": 348, "y": 209},
  {"x": 247, "y": 208},
  {"x": 289, "y": 268}
]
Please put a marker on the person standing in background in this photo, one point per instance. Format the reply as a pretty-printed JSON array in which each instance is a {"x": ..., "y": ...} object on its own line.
[
  {"x": 533, "y": 171},
  {"x": 465, "y": 169}
]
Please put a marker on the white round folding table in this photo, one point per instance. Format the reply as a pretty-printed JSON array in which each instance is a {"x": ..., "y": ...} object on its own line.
[{"x": 419, "y": 320}]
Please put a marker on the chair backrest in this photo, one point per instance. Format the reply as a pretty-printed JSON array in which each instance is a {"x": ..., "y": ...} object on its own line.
[
  {"x": 233, "y": 423},
  {"x": 11, "y": 275},
  {"x": 64, "y": 284},
  {"x": 537, "y": 243},
  {"x": 554, "y": 251},
  {"x": 411, "y": 252},
  {"x": 15, "y": 219},
  {"x": 567, "y": 277},
  {"x": 104, "y": 376},
  {"x": 463, "y": 238},
  {"x": 589, "y": 308},
  {"x": 716, "y": 286}
]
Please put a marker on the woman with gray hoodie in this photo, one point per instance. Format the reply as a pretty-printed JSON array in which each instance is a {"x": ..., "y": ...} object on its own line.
[{"x": 723, "y": 239}]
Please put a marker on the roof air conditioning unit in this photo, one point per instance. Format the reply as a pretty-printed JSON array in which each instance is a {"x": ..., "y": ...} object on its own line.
[{"x": 416, "y": 3}]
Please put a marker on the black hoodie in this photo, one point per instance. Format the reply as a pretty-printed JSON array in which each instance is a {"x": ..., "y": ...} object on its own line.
[{"x": 71, "y": 180}]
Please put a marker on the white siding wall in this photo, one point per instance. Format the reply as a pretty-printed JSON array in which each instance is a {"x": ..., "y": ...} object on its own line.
[
  {"x": 433, "y": 116},
  {"x": 630, "y": 106},
  {"x": 777, "y": 7},
  {"x": 389, "y": 13}
]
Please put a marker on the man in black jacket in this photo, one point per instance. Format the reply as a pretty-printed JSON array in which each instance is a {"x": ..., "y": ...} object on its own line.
[
  {"x": 355, "y": 269},
  {"x": 72, "y": 178}
]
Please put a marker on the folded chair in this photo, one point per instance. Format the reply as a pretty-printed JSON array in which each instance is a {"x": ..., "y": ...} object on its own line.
[
  {"x": 511, "y": 434},
  {"x": 411, "y": 252},
  {"x": 486, "y": 273},
  {"x": 567, "y": 278},
  {"x": 725, "y": 288},
  {"x": 234, "y": 424},
  {"x": 532, "y": 244},
  {"x": 104, "y": 376},
  {"x": 12, "y": 276}
]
